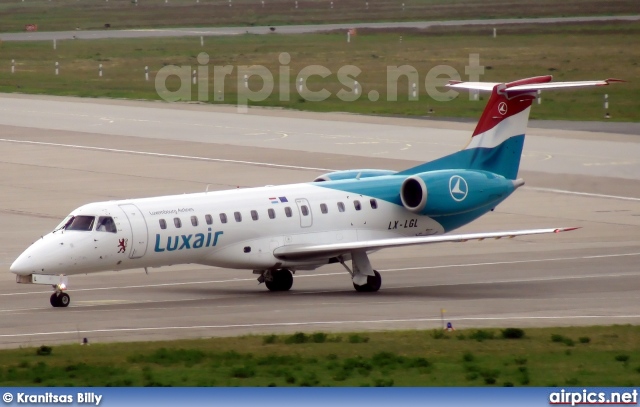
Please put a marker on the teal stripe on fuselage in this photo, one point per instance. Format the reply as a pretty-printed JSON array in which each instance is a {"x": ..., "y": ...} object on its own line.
[
  {"x": 453, "y": 222},
  {"x": 502, "y": 160},
  {"x": 386, "y": 187}
]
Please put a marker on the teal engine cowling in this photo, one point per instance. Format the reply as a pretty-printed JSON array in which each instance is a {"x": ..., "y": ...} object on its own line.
[
  {"x": 352, "y": 174},
  {"x": 448, "y": 192}
]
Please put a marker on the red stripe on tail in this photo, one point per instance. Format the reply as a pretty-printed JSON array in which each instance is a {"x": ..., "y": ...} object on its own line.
[{"x": 500, "y": 107}]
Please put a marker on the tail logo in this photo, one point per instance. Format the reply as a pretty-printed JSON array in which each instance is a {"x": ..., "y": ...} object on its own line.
[
  {"x": 458, "y": 188},
  {"x": 502, "y": 108}
]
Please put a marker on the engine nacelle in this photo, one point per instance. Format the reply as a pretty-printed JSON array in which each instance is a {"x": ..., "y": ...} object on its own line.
[
  {"x": 352, "y": 174},
  {"x": 448, "y": 192}
]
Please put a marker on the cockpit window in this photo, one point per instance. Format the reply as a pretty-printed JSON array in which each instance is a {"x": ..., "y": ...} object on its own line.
[
  {"x": 65, "y": 222},
  {"x": 80, "y": 223},
  {"x": 106, "y": 224}
]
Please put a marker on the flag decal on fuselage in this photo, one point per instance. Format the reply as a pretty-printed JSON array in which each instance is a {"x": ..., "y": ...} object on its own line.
[{"x": 278, "y": 200}]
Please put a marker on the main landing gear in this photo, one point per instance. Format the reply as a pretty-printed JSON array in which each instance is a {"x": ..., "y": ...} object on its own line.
[
  {"x": 373, "y": 284},
  {"x": 59, "y": 298},
  {"x": 365, "y": 278},
  {"x": 277, "y": 280}
]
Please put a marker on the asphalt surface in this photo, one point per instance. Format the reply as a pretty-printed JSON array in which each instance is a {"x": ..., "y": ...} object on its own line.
[
  {"x": 290, "y": 29},
  {"x": 59, "y": 153}
]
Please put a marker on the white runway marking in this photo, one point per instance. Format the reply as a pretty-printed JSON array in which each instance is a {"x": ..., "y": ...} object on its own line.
[
  {"x": 598, "y": 256},
  {"x": 316, "y": 323},
  {"x": 561, "y": 191},
  {"x": 147, "y": 153},
  {"x": 554, "y": 278}
]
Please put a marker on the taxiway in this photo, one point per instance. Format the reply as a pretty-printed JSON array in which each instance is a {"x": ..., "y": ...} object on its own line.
[{"x": 59, "y": 153}]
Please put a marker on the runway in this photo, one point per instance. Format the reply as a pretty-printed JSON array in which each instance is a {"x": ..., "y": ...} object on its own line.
[{"x": 59, "y": 153}]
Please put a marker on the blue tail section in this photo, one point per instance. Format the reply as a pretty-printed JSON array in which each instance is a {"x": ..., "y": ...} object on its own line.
[
  {"x": 503, "y": 160},
  {"x": 497, "y": 142}
]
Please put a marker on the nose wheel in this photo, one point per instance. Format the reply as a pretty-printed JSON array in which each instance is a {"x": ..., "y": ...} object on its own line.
[{"x": 60, "y": 299}]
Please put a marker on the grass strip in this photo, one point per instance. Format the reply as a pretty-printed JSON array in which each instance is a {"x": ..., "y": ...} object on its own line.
[
  {"x": 575, "y": 356},
  {"x": 576, "y": 52}
]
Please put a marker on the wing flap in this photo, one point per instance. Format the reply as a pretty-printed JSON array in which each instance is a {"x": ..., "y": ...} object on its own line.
[{"x": 299, "y": 252}]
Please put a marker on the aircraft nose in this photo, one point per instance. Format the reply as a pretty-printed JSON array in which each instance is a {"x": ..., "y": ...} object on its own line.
[{"x": 22, "y": 265}]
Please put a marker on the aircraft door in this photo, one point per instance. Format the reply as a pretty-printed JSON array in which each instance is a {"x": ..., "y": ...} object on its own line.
[
  {"x": 139, "y": 231},
  {"x": 306, "y": 219}
]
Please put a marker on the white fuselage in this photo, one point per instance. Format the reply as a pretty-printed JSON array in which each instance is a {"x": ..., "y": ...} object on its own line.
[{"x": 190, "y": 228}]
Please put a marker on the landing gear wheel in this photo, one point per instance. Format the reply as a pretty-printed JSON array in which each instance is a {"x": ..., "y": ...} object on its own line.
[
  {"x": 373, "y": 284},
  {"x": 65, "y": 300},
  {"x": 60, "y": 300},
  {"x": 281, "y": 280}
]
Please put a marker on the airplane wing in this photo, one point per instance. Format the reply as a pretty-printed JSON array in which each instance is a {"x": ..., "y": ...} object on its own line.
[{"x": 313, "y": 251}]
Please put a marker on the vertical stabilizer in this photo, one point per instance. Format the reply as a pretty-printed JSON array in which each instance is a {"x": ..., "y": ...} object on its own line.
[{"x": 497, "y": 141}]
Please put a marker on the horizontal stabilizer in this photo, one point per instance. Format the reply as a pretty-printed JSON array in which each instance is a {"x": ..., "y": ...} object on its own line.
[
  {"x": 531, "y": 84},
  {"x": 482, "y": 86},
  {"x": 302, "y": 252}
]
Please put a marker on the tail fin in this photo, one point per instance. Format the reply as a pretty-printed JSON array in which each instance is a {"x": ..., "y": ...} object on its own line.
[{"x": 497, "y": 142}]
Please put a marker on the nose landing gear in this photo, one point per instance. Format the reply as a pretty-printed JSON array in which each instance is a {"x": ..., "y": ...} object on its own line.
[{"x": 59, "y": 298}]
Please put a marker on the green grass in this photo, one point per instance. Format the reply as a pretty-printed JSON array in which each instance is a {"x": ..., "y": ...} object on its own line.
[
  {"x": 569, "y": 52},
  {"x": 399, "y": 358},
  {"x": 124, "y": 14}
]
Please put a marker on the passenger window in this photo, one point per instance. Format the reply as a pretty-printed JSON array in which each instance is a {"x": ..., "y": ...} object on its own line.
[
  {"x": 287, "y": 211},
  {"x": 194, "y": 220},
  {"x": 208, "y": 219},
  {"x": 177, "y": 222},
  {"x": 305, "y": 210},
  {"x": 106, "y": 224},
  {"x": 374, "y": 203},
  {"x": 356, "y": 204},
  {"x": 272, "y": 213},
  {"x": 163, "y": 224},
  {"x": 340, "y": 207},
  {"x": 323, "y": 208},
  {"x": 223, "y": 218},
  {"x": 254, "y": 215},
  {"x": 238, "y": 216},
  {"x": 84, "y": 223}
]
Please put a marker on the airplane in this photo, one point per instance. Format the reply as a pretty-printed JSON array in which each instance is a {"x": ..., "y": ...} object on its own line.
[{"x": 341, "y": 216}]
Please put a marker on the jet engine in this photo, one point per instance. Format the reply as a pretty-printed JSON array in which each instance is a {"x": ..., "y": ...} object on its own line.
[{"x": 448, "y": 192}]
